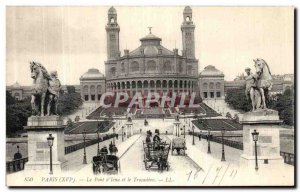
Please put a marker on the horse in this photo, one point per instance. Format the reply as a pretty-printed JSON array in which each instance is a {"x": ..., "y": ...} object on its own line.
[
  {"x": 264, "y": 80},
  {"x": 39, "y": 88}
]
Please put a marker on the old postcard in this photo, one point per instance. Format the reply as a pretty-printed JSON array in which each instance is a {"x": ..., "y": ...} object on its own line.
[{"x": 150, "y": 96}]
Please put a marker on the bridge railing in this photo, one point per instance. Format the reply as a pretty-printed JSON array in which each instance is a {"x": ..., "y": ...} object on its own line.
[
  {"x": 16, "y": 165},
  {"x": 78, "y": 146},
  {"x": 289, "y": 158}
]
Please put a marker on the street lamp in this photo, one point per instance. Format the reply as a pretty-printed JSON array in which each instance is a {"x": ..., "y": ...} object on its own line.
[
  {"x": 193, "y": 128},
  {"x": 114, "y": 135},
  {"x": 50, "y": 144},
  {"x": 208, "y": 141},
  {"x": 183, "y": 131},
  {"x": 255, "y": 139},
  {"x": 98, "y": 148},
  {"x": 122, "y": 133},
  {"x": 200, "y": 136},
  {"x": 223, "y": 152},
  {"x": 84, "y": 152}
]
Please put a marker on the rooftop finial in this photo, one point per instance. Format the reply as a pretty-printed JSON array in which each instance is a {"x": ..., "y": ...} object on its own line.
[{"x": 150, "y": 30}]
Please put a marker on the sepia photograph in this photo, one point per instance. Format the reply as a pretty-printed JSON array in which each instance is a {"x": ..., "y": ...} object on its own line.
[{"x": 159, "y": 96}]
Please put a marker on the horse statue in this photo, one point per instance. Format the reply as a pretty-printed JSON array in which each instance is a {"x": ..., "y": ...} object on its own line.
[
  {"x": 264, "y": 80},
  {"x": 39, "y": 88},
  {"x": 45, "y": 90}
]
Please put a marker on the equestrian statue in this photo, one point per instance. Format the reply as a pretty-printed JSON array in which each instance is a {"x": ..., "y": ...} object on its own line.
[
  {"x": 259, "y": 85},
  {"x": 45, "y": 90}
]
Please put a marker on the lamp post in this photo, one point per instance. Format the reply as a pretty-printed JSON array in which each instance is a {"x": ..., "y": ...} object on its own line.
[
  {"x": 98, "y": 148},
  {"x": 208, "y": 141},
  {"x": 183, "y": 131},
  {"x": 200, "y": 135},
  {"x": 122, "y": 133},
  {"x": 223, "y": 152},
  {"x": 50, "y": 144},
  {"x": 114, "y": 135},
  {"x": 255, "y": 139},
  {"x": 193, "y": 128},
  {"x": 84, "y": 152}
]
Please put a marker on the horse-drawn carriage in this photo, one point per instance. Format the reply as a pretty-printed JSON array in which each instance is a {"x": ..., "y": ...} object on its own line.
[
  {"x": 105, "y": 163},
  {"x": 178, "y": 144},
  {"x": 156, "y": 155}
]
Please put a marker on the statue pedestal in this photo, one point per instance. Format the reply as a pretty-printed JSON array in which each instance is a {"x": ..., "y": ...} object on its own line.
[
  {"x": 176, "y": 128},
  {"x": 38, "y": 129},
  {"x": 266, "y": 122}
]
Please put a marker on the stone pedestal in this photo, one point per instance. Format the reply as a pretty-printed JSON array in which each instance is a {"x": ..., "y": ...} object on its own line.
[
  {"x": 176, "y": 127},
  {"x": 266, "y": 122},
  {"x": 38, "y": 129}
]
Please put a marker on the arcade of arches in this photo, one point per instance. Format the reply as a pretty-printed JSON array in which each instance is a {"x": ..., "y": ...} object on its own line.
[{"x": 146, "y": 86}]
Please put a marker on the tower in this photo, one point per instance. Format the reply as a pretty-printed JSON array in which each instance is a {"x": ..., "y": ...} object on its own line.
[
  {"x": 187, "y": 29},
  {"x": 112, "y": 32}
]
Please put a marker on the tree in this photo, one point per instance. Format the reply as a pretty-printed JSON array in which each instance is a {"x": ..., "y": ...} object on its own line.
[
  {"x": 236, "y": 98},
  {"x": 16, "y": 116},
  {"x": 17, "y": 112},
  {"x": 9, "y": 99},
  {"x": 68, "y": 102},
  {"x": 284, "y": 104},
  {"x": 71, "y": 89}
]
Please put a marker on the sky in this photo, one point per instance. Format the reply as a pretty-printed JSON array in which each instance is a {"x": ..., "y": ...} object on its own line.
[{"x": 73, "y": 39}]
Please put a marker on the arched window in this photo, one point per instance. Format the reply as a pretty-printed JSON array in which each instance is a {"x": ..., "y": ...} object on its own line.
[
  {"x": 123, "y": 85},
  {"x": 112, "y": 20},
  {"x": 85, "y": 90},
  {"x": 205, "y": 85},
  {"x": 133, "y": 84},
  {"x": 113, "y": 71},
  {"x": 152, "y": 84},
  {"x": 218, "y": 85},
  {"x": 170, "y": 84},
  {"x": 145, "y": 84},
  {"x": 188, "y": 18},
  {"x": 164, "y": 84},
  {"x": 128, "y": 85},
  {"x": 158, "y": 84},
  {"x": 167, "y": 67},
  {"x": 135, "y": 66},
  {"x": 211, "y": 85},
  {"x": 151, "y": 65},
  {"x": 139, "y": 84},
  {"x": 176, "y": 84},
  {"x": 92, "y": 89},
  {"x": 99, "y": 89}
]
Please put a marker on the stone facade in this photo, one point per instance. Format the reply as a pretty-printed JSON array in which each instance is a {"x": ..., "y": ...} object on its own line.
[
  {"x": 92, "y": 85},
  {"x": 151, "y": 67},
  {"x": 211, "y": 83}
]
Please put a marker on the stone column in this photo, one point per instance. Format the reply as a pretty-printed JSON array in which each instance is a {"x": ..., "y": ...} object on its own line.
[
  {"x": 38, "y": 129},
  {"x": 266, "y": 122}
]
